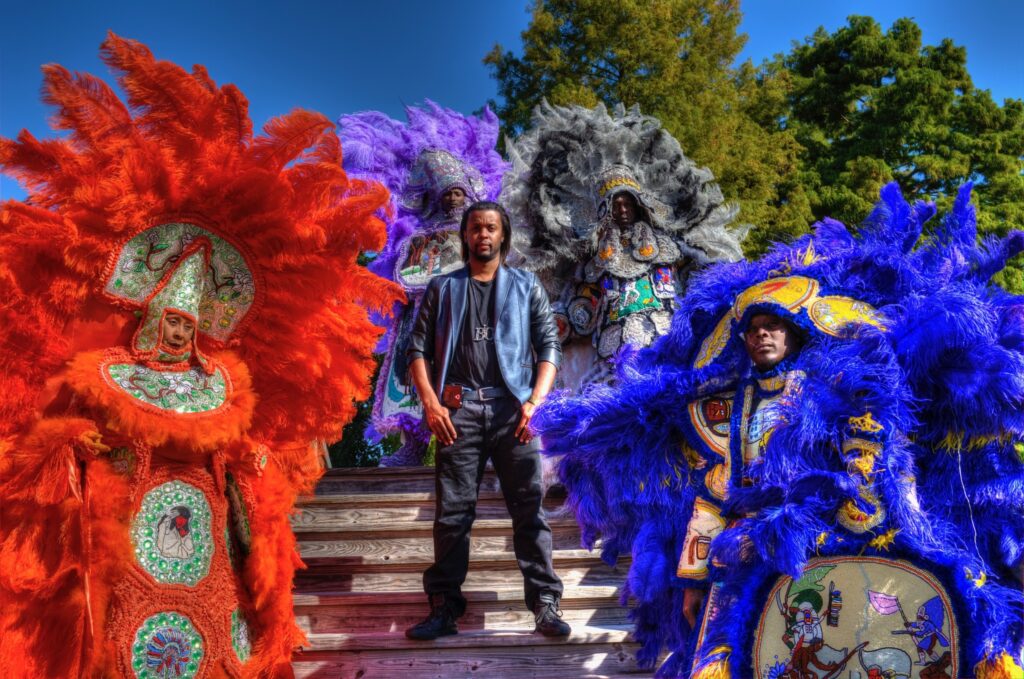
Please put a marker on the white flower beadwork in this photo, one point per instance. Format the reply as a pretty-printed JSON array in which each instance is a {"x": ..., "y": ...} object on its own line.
[{"x": 180, "y": 385}]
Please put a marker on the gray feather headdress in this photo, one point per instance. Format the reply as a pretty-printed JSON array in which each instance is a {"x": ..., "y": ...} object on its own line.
[{"x": 573, "y": 159}]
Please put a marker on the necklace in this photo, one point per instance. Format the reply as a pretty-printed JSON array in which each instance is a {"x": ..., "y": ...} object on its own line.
[{"x": 482, "y": 332}]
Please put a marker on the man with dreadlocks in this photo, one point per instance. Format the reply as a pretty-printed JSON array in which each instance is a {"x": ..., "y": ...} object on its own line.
[{"x": 483, "y": 355}]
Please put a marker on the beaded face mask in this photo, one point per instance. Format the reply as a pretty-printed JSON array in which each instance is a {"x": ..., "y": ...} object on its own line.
[
  {"x": 185, "y": 269},
  {"x": 434, "y": 173}
]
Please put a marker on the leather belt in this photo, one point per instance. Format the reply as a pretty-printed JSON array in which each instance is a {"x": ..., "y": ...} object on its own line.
[{"x": 485, "y": 393}]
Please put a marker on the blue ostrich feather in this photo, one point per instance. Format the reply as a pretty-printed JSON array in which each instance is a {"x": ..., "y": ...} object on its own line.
[{"x": 944, "y": 377}]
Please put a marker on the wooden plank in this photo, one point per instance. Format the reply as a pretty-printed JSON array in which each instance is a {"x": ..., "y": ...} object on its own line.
[
  {"x": 552, "y": 503},
  {"x": 600, "y": 661},
  {"x": 572, "y": 593},
  {"x": 388, "y": 480},
  {"x": 581, "y": 635},
  {"x": 487, "y": 582},
  {"x": 418, "y": 551},
  {"x": 326, "y": 520},
  {"x": 365, "y": 514},
  {"x": 496, "y": 616}
]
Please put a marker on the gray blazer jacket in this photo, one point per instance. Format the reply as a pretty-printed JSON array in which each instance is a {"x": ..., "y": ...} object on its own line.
[{"x": 524, "y": 334}]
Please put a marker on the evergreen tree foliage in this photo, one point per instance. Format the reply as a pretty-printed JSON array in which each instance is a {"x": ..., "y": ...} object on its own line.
[
  {"x": 805, "y": 135},
  {"x": 673, "y": 58},
  {"x": 869, "y": 106}
]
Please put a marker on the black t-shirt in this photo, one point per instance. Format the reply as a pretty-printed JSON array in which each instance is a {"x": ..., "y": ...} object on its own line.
[{"x": 475, "y": 363}]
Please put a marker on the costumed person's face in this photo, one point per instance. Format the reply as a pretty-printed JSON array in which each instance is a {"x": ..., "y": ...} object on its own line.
[
  {"x": 624, "y": 209},
  {"x": 768, "y": 340},
  {"x": 453, "y": 199},
  {"x": 177, "y": 331},
  {"x": 484, "y": 235}
]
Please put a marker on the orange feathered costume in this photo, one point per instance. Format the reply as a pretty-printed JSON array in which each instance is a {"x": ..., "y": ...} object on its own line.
[{"x": 145, "y": 492}]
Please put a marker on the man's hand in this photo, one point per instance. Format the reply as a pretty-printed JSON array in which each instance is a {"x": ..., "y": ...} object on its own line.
[
  {"x": 523, "y": 432},
  {"x": 440, "y": 424},
  {"x": 693, "y": 599}
]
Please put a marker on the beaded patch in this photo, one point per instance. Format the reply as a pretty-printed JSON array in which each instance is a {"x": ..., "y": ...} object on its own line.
[
  {"x": 240, "y": 636},
  {"x": 228, "y": 291},
  {"x": 635, "y": 296},
  {"x": 167, "y": 645},
  {"x": 172, "y": 536},
  {"x": 192, "y": 391},
  {"x": 423, "y": 257},
  {"x": 857, "y": 616}
]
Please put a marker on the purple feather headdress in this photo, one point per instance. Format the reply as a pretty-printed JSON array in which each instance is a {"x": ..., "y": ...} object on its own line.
[{"x": 403, "y": 157}]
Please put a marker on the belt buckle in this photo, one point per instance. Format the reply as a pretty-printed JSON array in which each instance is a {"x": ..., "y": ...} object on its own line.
[{"x": 481, "y": 396}]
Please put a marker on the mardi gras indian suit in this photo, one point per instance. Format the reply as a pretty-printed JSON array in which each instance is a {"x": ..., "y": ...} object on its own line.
[
  {"x": 147, "y": 487},
  {"x": 855, "y": 509},
  {"x": 612, "y": 279}
]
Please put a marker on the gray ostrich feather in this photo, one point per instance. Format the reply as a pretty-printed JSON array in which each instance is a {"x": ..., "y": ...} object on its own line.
[{"x": 552, "y": 190}]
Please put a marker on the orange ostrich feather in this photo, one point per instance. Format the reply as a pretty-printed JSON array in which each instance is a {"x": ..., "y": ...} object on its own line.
[
  {"x": 182, "y": 147},
  {"x": 179, "y": 149}
]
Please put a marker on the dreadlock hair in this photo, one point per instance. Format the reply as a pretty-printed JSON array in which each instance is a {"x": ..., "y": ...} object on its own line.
[{"x": 506, "y": 227}]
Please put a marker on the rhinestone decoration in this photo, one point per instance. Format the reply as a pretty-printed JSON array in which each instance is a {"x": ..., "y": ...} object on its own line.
[
  {"x": 182, "y": 292},
  {"x": 172, "y": 536},
  {"x": 192, "y": 391},
  {"x": 167, "y": 646},
  {"x": 228, "y": 289},
  {"x": 240, "y": 636}
]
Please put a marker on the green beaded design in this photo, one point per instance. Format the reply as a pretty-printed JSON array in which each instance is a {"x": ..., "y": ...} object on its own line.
[
  {"x": 228, "y": 289},
  {"x": 172, "y": 535},
  {"x": 240, "y": 636},
  {"x": 167, "y": 645},
  {"x": 190, "y": 391}
]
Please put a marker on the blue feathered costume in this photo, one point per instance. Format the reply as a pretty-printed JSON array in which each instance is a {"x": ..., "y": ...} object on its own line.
[{"x": 858, "y": 508}]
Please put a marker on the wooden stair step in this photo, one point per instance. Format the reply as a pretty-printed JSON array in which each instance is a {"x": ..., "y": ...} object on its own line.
[
  {"x": 502, "y": 615},
  {"x": 419, "y": 552},
  {"x": 418, "y": 549},
  {"x": 613, "y": 660},
  {"x": 356, "y": 515},
  {"x": 388, "y": 480},
  {"x": 317, "y": 581},
  {"x": 341, "y": 641},
  {"x": 572, "y": 593},
  {"x": 320, "y": 520},
  {"x": 552, "y": 503}
]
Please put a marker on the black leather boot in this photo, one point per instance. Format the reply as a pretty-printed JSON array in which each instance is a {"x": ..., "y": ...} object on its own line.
[
  {"x": 549, "y": 617},
  {"x": 440, "y": 622}
]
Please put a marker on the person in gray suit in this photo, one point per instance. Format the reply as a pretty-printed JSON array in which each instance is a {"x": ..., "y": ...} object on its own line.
[{"x": 483, "y": 355}]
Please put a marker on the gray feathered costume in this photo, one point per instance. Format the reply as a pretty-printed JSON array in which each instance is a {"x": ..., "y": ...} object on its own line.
[{"x": 611, "y": 284}]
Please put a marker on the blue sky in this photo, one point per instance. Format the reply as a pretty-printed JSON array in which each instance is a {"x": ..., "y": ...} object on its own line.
[{"x": 342, "y": 57}]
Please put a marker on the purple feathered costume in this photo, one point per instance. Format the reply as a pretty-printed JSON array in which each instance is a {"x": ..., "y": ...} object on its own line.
[{"x": 419, "y": 161}]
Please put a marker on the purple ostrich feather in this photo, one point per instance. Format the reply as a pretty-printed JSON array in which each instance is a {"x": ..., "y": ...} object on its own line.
[{"x": 381, "y": 148}]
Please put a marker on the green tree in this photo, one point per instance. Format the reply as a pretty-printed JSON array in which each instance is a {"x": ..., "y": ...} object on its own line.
[
  {"x": 673, "y": 58},
  {"x": 354, "y": 450},
  {"x": 869, "y": 106}
]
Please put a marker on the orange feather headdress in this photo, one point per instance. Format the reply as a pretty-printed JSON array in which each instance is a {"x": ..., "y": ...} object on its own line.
[{"x": 176, "y": 164}]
